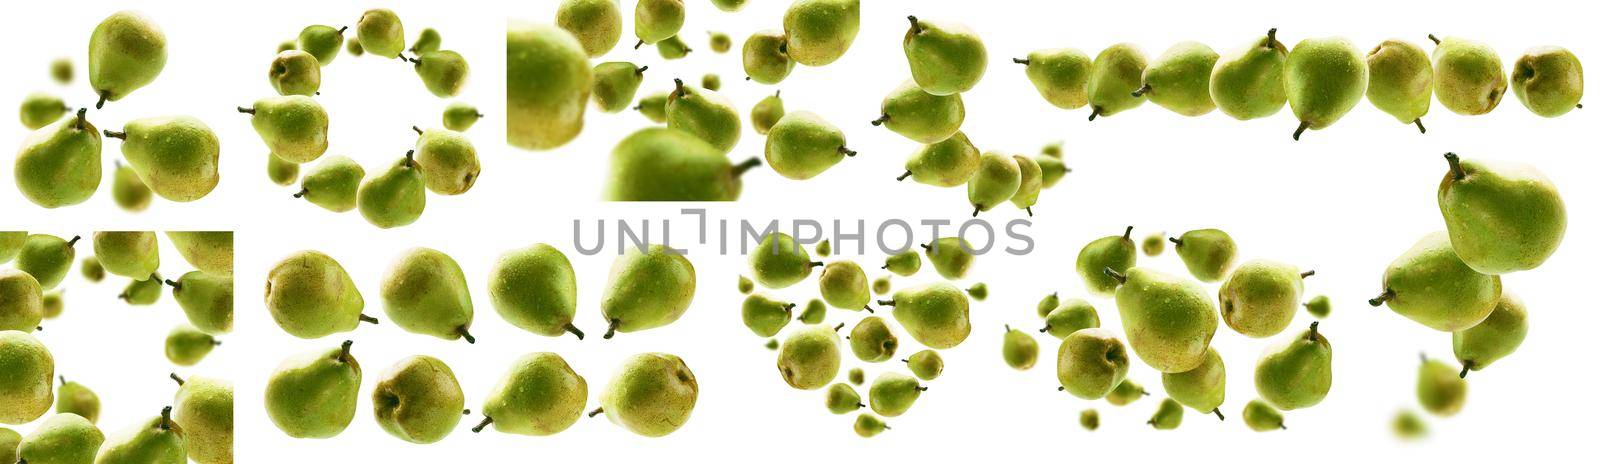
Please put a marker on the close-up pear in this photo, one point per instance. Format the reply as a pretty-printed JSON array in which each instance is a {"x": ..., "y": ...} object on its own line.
[
  {"x": 647, "y": 289},
  {"x": 1400, "y": 81},
  {"x": 59, "y": 165},
  {"x": 765, "y": 57},
  {"x": 868, "y": 425},
  {"x": 1296, "y": 372},
  {"x": 820, "y": 31},
  {"x": 1325, "y": 78},
  {"x": 615, "y": 83},
  {"x": 63, "y": 438},
  {"x": 1019, "y": 349},
  {"x": 443, "y": 72},
  {"x": 548, "y": 82},
  {"x": 311, "y": 296},
  {"x": 203, "y": 407},
  {"x": 673, "y": 48},
  {"x": 802, "y": 145},
  {"x": 206, "y": 299},
  {"x": 652, "y": 394},
  {"x": 871, "y": 340},
  {"x": 313, "y": 395},
  {"x": 1061, "y": 75},
  {"x": 187, "y": 346},
  {"x": 925, "y": 364},
  {"x": 540, "y": 395},
  {"x": 40, "y": 109},
  {"x": 47, "y": 258},
  {"x": 157, "y": 440},
  {"x": 1168, "y": 415},
  {"x": 209, "y": 251},
  {"x": 1502, "y": 216},
  {"x": 1117, "y": 72},
  {"x": 661, "y": 164},
  {"x": 333, "y": 183},
  {"x": 1071, "y": 315},
  {"x": 921, "y": 116},
  {"x": 176, "y": 156},
  {"x": 21, "y": 301},
  {"x": 1431, "y": 285},
  {"x": 294, "y": 72},
  {"x": 1126, "y": 392},
  {"x": 27, "y": 390},
  {"x": 322, "y": 42},
  {"x": 282, "y": 172},
  {"x": 1468, "y": 76},
  {"x": 425, "y": 292},
  {"x": 809, "y": 358},
  {"x": 766, "y": 113},
  {"x": 841, "y": 399},
  {"x": 1030, "y": 182},
  {"x": 1090, "y": 363},
  {"x": 657, "y": 20},
  {"x": 1440, "y": 390},
  {"x": 1262, "y": 417},
  {"x": 1248, "y": 83},
  {"x": 1261, "y": 297},
  {"x": 448, "y": 161},
  {"x": 1202, "y": 388},
  {"x": 596, "y": 23},
  {"x": 1115, "y": 252},
  {"x": 814, "y": 312},
  {"x": 1169, "y": 320},
  {"x": 1319, "y": 306},
  {"x": 946, "y": 58},
  {"x": 844, "y": 285},
  {"x": 142, "y": 292},
  {"x": 128, "y": 190},
  {"x": 126, "y": 52},
  {"x": 394, "y": 197},
  {"x": 460, "y": 116},
  {"x": 418, "y": 400},
  {"x": 936, "y": 315},
  {"x": 904, "y": 264},
  {"x": 1548, "y": 80},
  {"x": 535, "y": 289},
  {"x": 704, "y": 114},
  {"x": 1207, "y": 253},
  {"x": 1180, "y": 79},
  {"x": 380, "y": 33},
  {"x": 294, "y": 127}
]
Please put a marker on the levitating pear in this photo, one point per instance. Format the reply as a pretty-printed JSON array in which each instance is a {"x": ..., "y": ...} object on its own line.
[
  {"x": 425, "y": 292},
  {"x": 1202, "y": 388},
  {"x": 21, "y": 301},
  {"x": 176, "y": 156},
  {"x": 1262, "y": 417},
  {"x": 47, "y": 258},
  {"x": 1468, "y": 76},
  {"x": 1496, "y": 337},
  {"x": 157, "y": 440},
  {"x": 596, "y": 23},
  {"x": 946, "y": 58},
  {"x": 1431, "y": 285},
  {"x": 661, "y": 164},
  {"x": 322, "y": 42},
  {"x": 766, "y": 113},
  {"x": 673, "y": 48},
  {"x": 75, "y": 398},
  {"x": 647, "y": 289},
  {"x": 310, "y": 296},
  {"x": 905, "y": 263},
  {"x": 614, "y": 85},
  {"x": 1207, "y": 253},
  {"x": 657, "y": 20},
  {"x": 1117, "y": 72},
  {"x": 332, "y": 184},
  {"x": 203, "y": 407},
  {"x": 1090, "y": 363},
  {"x": 936, "y": 315},
  {"x": 950, "y": 256},
  {"x": 844, "y": 285},
  {"x": 780, "y": 261},
  {"x": 313, "y": 395},
  {"x": 1400, "y": 81},
  {"x": 540, "y": 395},
  {"x": 40, "y": 109},
  {"x": 448, "y": 161},
  {"x": 443, "y": 72},
  {"x": 26, "y": 391},
  {"x": 1502, "y": 216},
  {"x": 1168, "y": 415},
  {"x": 809, "y": 358},
  {"x": 1548, "y": 80},
  {"x": 765, "y": 316},
  {"x": 1019, "y": 349},
  {"x": 418, "y": 400},
  {"x": 1169, "y": 320},
  {"x": 1126, "y": 392},
  {"x": 294, "y": 127},
  {"x": 921, "y": 116},
  {"x": 765, "y": 57},
  {"x": 994, "y": 182},
  {"x": 380, "y": 33},
  {"x": 460, "y": 116},
  {"x": 1325, "y": 78},
  {"x": 187, "y": 346},
  {"x": 548, "y": 81},
  {"x": 429, "y": 40},
  {"x": 868, "y": 426},
  {"x": 1248, "y": 83},
  {"x": 652, "y": 394},
  {"x": 1116, "y": 252},
  {"x": 59, "y": 165},
  {"x": 704, "y": 114},
  {"x": 872, "y": 341},
  {"x": 893, "y": 393},
  {"x": 394, "y": 197},
  {"x": 535, "y": 289},
  {"x": 841, "y": 399},
  {"x": 1061, "y": 75},
  {"x": 948, "y": 163},
  {"x": 129, "y": 254},
  {"x": 1296, "y": 372},
  {"x": 128, "y": 191},
  {"x": 282, "y": 172},
  {"x": 1439, "y": 390},
  {"x": 802, "y": 145},
  {"x": 63, "y": 438},
  {"x": 820, "y": 31},
  {"x": 142, "y": 292},
  {"x": 1261, "y": 297},
  {"x": 1180, "y": 79},
  {"x": 1070, "y": 316},
  {"x": 126, "y": 51},
  {"x": 294, "y": 72},
  {"x": 925, "y": 364},
  {"x": 1031, "y": 181}
]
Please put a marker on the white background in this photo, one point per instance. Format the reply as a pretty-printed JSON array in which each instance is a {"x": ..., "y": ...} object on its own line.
[{"x": 1344, "y": 201}]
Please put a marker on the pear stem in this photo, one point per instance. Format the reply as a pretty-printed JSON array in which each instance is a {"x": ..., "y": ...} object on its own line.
[
  {"x": 1141, "y": 91},
  {"x": 1127, "y": 234},
  {"x": 837, "y": 327},
  {"x": 175, "y": 286},
  {"x": 881, "y": 119},
  {"x": 1272, "y": 36},
  {"x": 916, "y": 28},
  {"x": 462, "y": 331},
  {"x": 746, "y": 165},
  {"x": 847, "y": 151},
  {"x": 611, "y": 330},
  {"x": 885, "y": 302},
  {"x": 1420, "y": 128},
  {"x": 679, "y": 87},
  {"x": 1045, "y": 329},
  {"x": 1312, "y": 334},
  {"x": 903, "y": 176},
  {"x": 1455, "y": 166},
  {"x": 1121, "y": 279},
  {"x": 1434, "y": 39},
  {"x": 976, "y": 209},
  {"x": 411, "y": 160},
  {"x": 82, "y": 118},
  {"x": 572, "y": 329},
  {"x": 597, "y": 411},
  {"x": 344, "y": 350},
  {"x": 115, "y": 134},
  {"x": 1301, "y": 130},
  {"x": 638, "y": 44},
  {"x": 641, "y": 70},
  {"x": 342, "y": 29},
  {"x": 303, "y": 191},
  {"x": 1021, "y": 61},
  {"x": 1175, "y": 241},
  {"x": 166, "y": 418},
  {"x": 1095, "y": 113},
  {"x": 1308, "y": 273},
  {"x": 417, "y": 130},
  {"x": 368, "y": 319},
  {"x": 482, "y": 424},
  {"x": 249, "y": 111},
  {"x": 1465, "y": 366},
  {"x": 74, "y": 240},
  {"x": 1385, "y": 296},
  {"x": 104, "y": 95},
  {"x": 175, "y": 378},
  {"x": 1218, "y": 412},
  {"x": 868, "y": 308},
  {"x": 1029, "y": 210}
]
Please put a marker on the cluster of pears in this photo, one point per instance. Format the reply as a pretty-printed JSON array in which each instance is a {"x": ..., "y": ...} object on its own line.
[
  {"x": 935, "y": 315},
  {"x": 59, "y": 164},
  {"x": 1321, "y": 79},
  {"x": 295, "y": 127}
]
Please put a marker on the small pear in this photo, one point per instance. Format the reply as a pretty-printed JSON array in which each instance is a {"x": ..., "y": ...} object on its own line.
[
  {"x": 380, "y": 33},
  {"x": 535, "y": 289},
  {"x": 443, "y": 72},
  {"x": 1262, "y": 417},
  {"x": 921, "y": 116},
  {"x": 1061, "y": 75},
  {"x": 9, "y": 441},
  {"x": 425, "y": 292},
  {"x": 1019, "y": 349},
  {"x": 61, "y": 70},
  {"x": 92, "y": 271},
  {"x": 661, "y": 164},
  {"x": 353, "y": 47},
  {"x": 448, "y": 161},
  {"x": 857, "y": 376},
  {"x": 209, "y": 251},
  {"x": 1126, "y": 392},
  {"x": 1325, "y": 77},
  {"x": 294, "y": 127},
  {"x": 1115, "y": 252},
  {"x": 657, "y": 20},
  {"x": 925, "y": 364},
  {"x": 766, "y": 113},
  {"x": 1296, "y": 372},
  {"x": 1548, "y": 80},
  {"x": 1248, "y": 83},
  {"x": 746, "y": 286},
  {"x": 946, "y": 58},
  {"x": 720, "y": 43},
  {"x": 281, "y": 172},
  {"x": 809, "y": 358},
  {"x": 1180, "y": 79},
  {"x": 176, "y": 156},
  {"x": 673, "y": 48},
  {"x": 936, "y": 315},
  {"x": 1032, "y": 180},
  {"x": 872, "y": 341},
  {"x": 1261, "y": 297},
  {"x": 1089, "y": 419},
  {"x": 1400, "y": 81},
  {"x": 1051, "y": 170},
  {"x": 142, "y": 292},
  {"x": 1169, "y": 320},
  {"x": 1502, "y": 216},
  {"x": 841, "y": 399},
  {"x": 1153, "y": 244},
  {"x": 206, "y": 299},
  {"x": 187, "y": 346},
  {"x": 1496, "y": 337},
  {"x": 39, "y": 109},
  {"x": 996, "y": 180},
  {"x": 21, "y": 301},
  {"x": 704, "y": 114},
  {"x": 978, "y": 291},
  {"x": 59, "y": 165},
  {"x": 1431, "y": 285},
  {"x": 1407, "y": 425},
  {"x": 765, "y": 57},
  {"x": 11, "y": 243},
  {"x": 1070, "y": 316},
  {"x": 1116, "y": 73},
  {"x": 460, "y": 116},
  {"x": 824, "y": 248},
  {"x": 428, "y": 40},
  {"x": 47, "y": 258},
  {"x": 1168, "y": 416},
  {"x": 765, "y": 316},
  {"x": 1047, "y": 304},
  {"x": 654, "y": 107},
  {"x": 294, "y": 72},
  {"x": 322, "y": 42},
  {"x": 1202, "y": 388},
  {"x": 615, "y": 83},
  {"x": 905, "y": 263},
  {"x": 1090, "y": 363},
  {"x": 868, "y": 426},
  {"x": 1319, "y": 306},
  {"x": 418, "y": 400},
  {"x": 814, "y": 312},
  {"x": 652, "y": 394},
  {"x": 844, "y": 285},
  {"x": 332, "y": 184},
  {"x": 157, "y": 440},
  {"x": 126, "y": 51},
  {"x": 1439, "y": 390},
  {"x": 1468, "y": 76},
  {"x": 951, "y": 256},
  {"x": 647, "y": 289},
  {"x": 892, "y": 393},
  {"x": 1207, "y": 253},
  {"x": 26, "y": 391},
  {"x": 948, "y": 163},
  {"x": 203, "y": 408},
  {"x": 540, "y": 395},
  {"x": 313, "y": 395},
  {"x": 53, "y": 303},
  {"x": 820, "y": 31},
  {"x": 395, "y": 197},
  {"x": 63, "y": 438},
  {"x": 596, "y": 23},
  {"x": 548, "y": 81},
  {"x": 310, "y": 296},
  {"x": 780, "y": 261}
]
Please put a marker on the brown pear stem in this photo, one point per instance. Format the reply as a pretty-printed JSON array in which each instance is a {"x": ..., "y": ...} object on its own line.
[
  {"x": 611, "y": 329},
  {"x": 638, "y": 44},
  {"x": 418, "y": 130},
  {"x": 344, "y": 350},
  {"x": 869, "y": 309},
  {"x": 175, "y": 286},
  {"x": 1301, "y": 130},
  {"x": 115, "y": 134},
  {"x": 1029, "y": 210},
  {"x": 1218, "y": 412},
  {"x": 847, "y": 151},
  {"x": 1312, "y": 334},
  {"x": 572, "y": 329},
  {"x": 903, "y": 176},
  {"x": 1175, "y": 241},
  {"x": 881, "y": 119},
  {"x": 916, "y": 28},
  {"x": 462, "y": 331},
  {"x": 679, "y": 87},
  {"x": 1385, "y": 296},
  {"x": 1434, "y": 39},
  {"x": 249, "y": 111},
  {"x": 640, "y": 71},
  {"x": 1121, "y": 279},
  {"x": 1045, "y": 329},
  {"x": 1308, "y": 273},
  {"x": 166, "y": 418},
  {"x": 342, "y": 29},
  {"x": 303, "y": 191},
  {"x": 482, "y": 424},
  {"x": 367, "y": 319},
  {"x": 1455, "y": 166},
  {"x": 83, "y": 119},
  {"x": 597, "y": 411},
  {"x": 1095, "y": 113},
  {"x": 411, "y": 160},
  {"x": 1420, "y": 128},
  {"x": 885, "y": 302},
  {"x": 1272, "y": 36},
  {"x": 837, "y": 327},
  {"x": 976, "y": 208},
  {"x": 175, "y": 378},
  {"x": 1465, "y": 366},
  {"x": 746, "y": 165},
  {"x": 74, "y": 241},
  {"x": 1127, "y": 234},
  {"x": 104, "y": 95},
  {"x": 1144, "y": 89},
  {"x": 1021, "y": 61}
]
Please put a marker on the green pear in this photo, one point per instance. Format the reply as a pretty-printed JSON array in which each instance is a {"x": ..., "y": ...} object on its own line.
[
  {"x": 460, "y": 116},
  {"x": 1319, "y": 306},
  {"x": 872, "y": 341},
  {"x": 1153, "y": 244},
  {"x": 868, "y": 426},
  {"x": 1261, "y": 297},
  {"x": 824, "y": 248},
  {"x": 720, "y": 43},
  {"x": 294, "y": 72},
  {"x": 996, "y": 179},
  {"x": 157, "y": 440},
  {"x": 394, "y": 197},
  {"x": 203, "y": 408},
  {"x": 1496, "y": 337},
  {"x": 1089, "y": 419},
  {"x": 11, "y": 243},
  {"x": 1431, "y": 285},
  {"x": 1248, "y": 83},
  {"x": 425, "y": 292},
  {"x": 892, "y": 393},
  {"x": 443, "y": 72},
  {"x": 311, "y": 296},
  {"x": 26, "y": 390},
  {"x": 206, "y": 299},
  {"x": 448, "y": 161},
  {"x": 936, "y": 315},
  {"x": 765, "y": 56},
  {"x": 809, "y": 358},
  {"x": 353, "y": 47},
  {"x": 905, "y": 263},
  {"x": 661, "y": 164},
  {"x": 947, "y": 163},
  {"x": 92, "y": 271},
  {"x": 657, "y": 20},
  {"x": 1296, "y": 372},
  {"x": 780, "y": 261},
  {"x": 1168, "y": 415},
  {"x": 1126, "y": 392},
  {"x": 176, "y": 156},
  {"x": 978, "y": 291},
  {"x": 1502, "y": 216},
  {"x": 841, "y": 399},
  {"x": 951, "y": 256},
  {"x": 728, "y": 5},
  {"x": 1061, "y": 75},
  {"x": 765, "y": 316},
  {"x": 766, "y": 113},
  {"x": 1325, "y": 78},
  {"x": 814, "y": 312},
  {"x": 746, "y": 286},
  {"x": 535, "y": 289},
  {"x": 820, "y": 31},
  {"x": 1090, "y": 363},
  {"x": 281, "y": 172},
  {"x": 1180, "y": 79},
  {"x": 1031, "y": 181},
  {"x": 418, "y": 400},
  {"x": 380, "y": 33},
  {"x": 654, "y": 107},
  {"x": 1548, "y": 80},
  {"x": 1117, "y": 72},
  {"x": 209, "y": 251},
  {"x": 1169, "y": 320},
  {"x": 428, "y": 40},
  {"x": 47, "y": 258},
  {"x": 596, "y": 23},
  {"x": 1468, "y": 76},
  {"x": 9, "y": 440},
  {"x": 59, "y": 165},
  {"x": 857, "y": 376},
  {"x": 844, "y": 285},
  {"x": 1400, "y": 81},
  {"x": 1115, "y": 252},
  {"x": 1407, "y": 425},
  {"x": 1019, "y": 349},
  {"x": 1047, "y": 304},
  {"x": 881, "y": 285},
  {"x": 647, "y": 289},
  {"x": 313, "y": 395},
  {"x": 129, "y": 254},
  {"x": 287, "y": 45},
  {"x": 540, "y": 395},
  {"x": 187, "y": 346},
  {"x": 63, "y": 439},
  {"x": 1051, "y": 170},
  {"x": 925, "y": 364},
  {"x": 1439, "y": 390},
  {"x": 652, "y": 394},
  {"x": 322, "y": 42},
  {"x": 126, "y": 51},
  {"x": 1202, "y": 388},
  {"x": 61, "y": 70},
  {"x": 921, "y": 116},
  {"x": 704, "y": 114},
  {"x": 946, "y": 58},
  {"x": 1262, "y": 417},
  {"x": 1070, "y": 316},
  {"x": 39, "y": 109},
  {"x": 548, "y": 81},
  {"x": 1207, "y": 253},
  {"x": 332, "y": 184},
  {"x": 21, "y": 301},
  {"x": 673, "y": 48},
  {"x": 142, "y": 292},
  {"x": 294, "y": 127},
  {"x": 52, "y": 304},
  {"x": 615, "y": 83}
]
